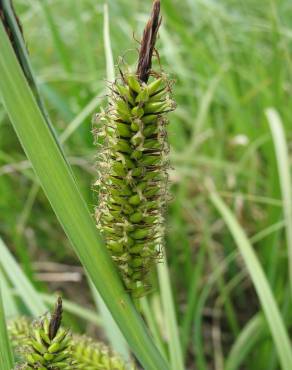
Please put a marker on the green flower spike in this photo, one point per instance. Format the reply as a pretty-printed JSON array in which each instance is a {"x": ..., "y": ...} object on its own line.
[
  {"x": 91, "y": 355},
  {"x": 48, "y": 346},
  {"x": 30, "y": 341},
  {"x": 19, "y": 330},
  {"x": 133, "y": 165}
]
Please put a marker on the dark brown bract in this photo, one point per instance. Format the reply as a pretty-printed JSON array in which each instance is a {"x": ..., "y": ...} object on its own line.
[{"x": 148, "y": 43}]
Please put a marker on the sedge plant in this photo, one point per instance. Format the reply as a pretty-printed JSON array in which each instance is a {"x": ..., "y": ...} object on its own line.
[
  {"x": 225, "y": 84},
  {"x": 56, "y": 177}
]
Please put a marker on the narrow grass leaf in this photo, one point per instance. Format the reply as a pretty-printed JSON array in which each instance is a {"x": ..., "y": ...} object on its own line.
[
  {"x": 245, "y": 342},
  {"x": 267, "y": 300},
  {"x": 149, "y": 315},
  {"x": 21, "y": 283},
  {"x": 6, "y": 357},
  {"x": 88, "y": 52},
  {"x": 175, "y": 350},
  {"x": 282, "y": 155},
  {"x": 60, "y": 46},
  {"x": 110, "y": 68},
  {"x": 112, "y": 331},
  {"x": 201, "y": 360},
  {"x": 188, "y": 318},
  {"x": 9, "y": 303},
  {"x": 204, "y": 106},
  {"x": 80, "y": 118}
]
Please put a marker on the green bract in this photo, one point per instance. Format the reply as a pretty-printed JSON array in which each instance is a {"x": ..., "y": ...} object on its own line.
[{"x": 133, "y": 175}]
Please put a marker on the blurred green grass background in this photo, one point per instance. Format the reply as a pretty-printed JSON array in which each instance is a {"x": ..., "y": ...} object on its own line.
[{"x": 230, "y": 60}]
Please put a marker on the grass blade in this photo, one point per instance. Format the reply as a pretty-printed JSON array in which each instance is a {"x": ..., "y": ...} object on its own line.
[
  {"x": 112, "y": 331},
  {"x": 149, "y": 314},
  {"x": 60, "y": 45},
  {"x": 21, "y": 282},
  {"x": 87, "y": 52},
  {"x": 187, "y": 320},
  {"x": 247, "y": 339},
  {"x": 267, "y": 300},
  {"x": 60, "y": 187},
  {"x": 31, "y": 298},
  {"x": 201, "y": 360},
  {"x": 175, "y": 350},
  {"x": 9, "y": 303},
  {"x": 110, "y": 68},
  {"x": 80, "y": 118},
  {"x": 282, "y": 155},
  {"x": 6, "y": 358}
]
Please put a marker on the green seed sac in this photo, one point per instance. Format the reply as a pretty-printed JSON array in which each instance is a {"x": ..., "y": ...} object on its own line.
[{"x": 133, "y": 176}]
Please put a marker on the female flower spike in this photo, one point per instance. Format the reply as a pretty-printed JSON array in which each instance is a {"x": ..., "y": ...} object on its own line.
[
  {"x": 48, "y": 346},
  {"x": 133, "y": 165},
  {"x": 45, "y": 345}
]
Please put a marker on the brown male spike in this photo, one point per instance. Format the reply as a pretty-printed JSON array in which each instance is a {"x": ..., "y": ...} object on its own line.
[
  {"x": 148, "y": 43},
  {"x": 56, "y": 319}
]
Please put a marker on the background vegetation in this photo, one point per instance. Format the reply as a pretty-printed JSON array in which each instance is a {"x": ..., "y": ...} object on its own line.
[{"x": 232, "y": 64}]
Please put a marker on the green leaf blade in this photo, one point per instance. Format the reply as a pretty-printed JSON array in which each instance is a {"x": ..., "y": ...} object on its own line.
[
  {"x": 6, "y": 357},
  {"x": 282, "y": 155},
  {"x": 268, "y": 302}
]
